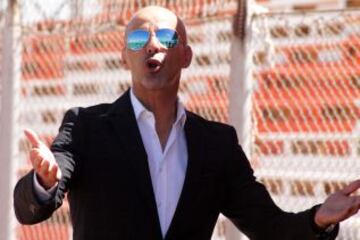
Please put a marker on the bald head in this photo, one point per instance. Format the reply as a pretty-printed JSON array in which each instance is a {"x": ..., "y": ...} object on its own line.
[
  {"x": 155, "y": 66},
  {"x": 156, "y": 16}
]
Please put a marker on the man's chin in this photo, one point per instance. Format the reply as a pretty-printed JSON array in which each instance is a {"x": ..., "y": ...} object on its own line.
[{"x": 153, "y": 84}]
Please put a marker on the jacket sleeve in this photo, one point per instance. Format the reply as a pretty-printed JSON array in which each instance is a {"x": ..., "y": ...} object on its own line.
[
  {"x": 249, "y": 205},
  {"x": 28, "y": 209}
]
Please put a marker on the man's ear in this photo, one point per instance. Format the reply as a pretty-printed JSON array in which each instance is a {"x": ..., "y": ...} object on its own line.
[
  {"x": 188, "y": 56},
  {"x": 124, "y": 59}
]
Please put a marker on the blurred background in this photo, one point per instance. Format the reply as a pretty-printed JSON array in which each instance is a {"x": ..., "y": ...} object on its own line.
[{"x": 285, "y": 73}]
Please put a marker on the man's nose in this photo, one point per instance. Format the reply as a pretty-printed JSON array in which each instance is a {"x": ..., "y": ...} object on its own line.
[{"x": 153, "y": 46}]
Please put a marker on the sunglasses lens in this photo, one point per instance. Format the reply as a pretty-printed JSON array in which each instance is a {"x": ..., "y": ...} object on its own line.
[
  {"x": 137, "y": 39},
  {"x": 167, "y": 37}
]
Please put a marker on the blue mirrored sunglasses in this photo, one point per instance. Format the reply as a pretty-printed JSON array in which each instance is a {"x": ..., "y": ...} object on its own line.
[{"x": 137, "y": 39}]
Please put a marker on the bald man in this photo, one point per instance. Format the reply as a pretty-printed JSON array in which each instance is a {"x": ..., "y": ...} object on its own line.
[{"x": 145, "y": 168}]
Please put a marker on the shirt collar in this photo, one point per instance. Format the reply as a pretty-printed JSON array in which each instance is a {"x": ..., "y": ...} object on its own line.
[{"x": 139, "y": 109}]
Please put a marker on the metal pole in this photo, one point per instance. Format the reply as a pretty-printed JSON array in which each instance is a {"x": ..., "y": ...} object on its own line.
[
  {"x": 76, "y": 8},
  {"x": 239, "y": 110},
  {"x": 240, "y": 95},
  {"x": 240, "y": 89},
  {"x": 239, "y": 101},
  {"x": 9, "y": 118}
]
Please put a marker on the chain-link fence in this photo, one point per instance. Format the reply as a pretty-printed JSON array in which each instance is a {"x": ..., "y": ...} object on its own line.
[
  {"x": 71, "y": 56},
  {"x": 306, "y": 78}
]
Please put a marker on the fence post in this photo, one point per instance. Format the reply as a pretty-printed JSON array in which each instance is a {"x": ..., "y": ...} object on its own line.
[
  {"x": 9, "y": 117},
  {"x": 239, "y": 92},
  {"x": 239, "y": 109},
  {"x": 241, "y": 84},
  {"x": 240, "y": 95}
]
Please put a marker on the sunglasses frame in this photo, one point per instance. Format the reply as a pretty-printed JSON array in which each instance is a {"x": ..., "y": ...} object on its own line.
[{"x": 149, "y": 36}]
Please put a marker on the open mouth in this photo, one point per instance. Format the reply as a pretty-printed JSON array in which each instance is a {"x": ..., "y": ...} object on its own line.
[{"x": 153, "y": 65}]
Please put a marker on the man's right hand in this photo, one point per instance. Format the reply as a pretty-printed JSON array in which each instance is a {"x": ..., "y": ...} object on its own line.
[{"x": 43, "y": 161}]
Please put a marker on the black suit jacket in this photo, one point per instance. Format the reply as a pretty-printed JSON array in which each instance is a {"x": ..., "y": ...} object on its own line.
[{"x": 105, "y": 172}]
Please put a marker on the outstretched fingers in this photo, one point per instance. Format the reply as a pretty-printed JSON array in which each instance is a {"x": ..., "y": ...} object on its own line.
[
  {"x": 33, "y": 138},
  {"x": 352, "y": 187},
  {"x": 354, "y": 206},
  {"x": 354, "y": 201},
  {"x": 43, "y": 160},
  {"x": 55, "y": 172}
]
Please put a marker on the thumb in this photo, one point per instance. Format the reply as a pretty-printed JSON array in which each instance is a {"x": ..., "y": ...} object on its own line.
[
  {"x": 58, "y": 173},
  {"x": 32, "y": 137}
]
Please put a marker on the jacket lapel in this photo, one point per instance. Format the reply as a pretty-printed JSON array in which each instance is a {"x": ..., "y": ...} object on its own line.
[
  {"x": 123, "y": 120},
  {"x": 195, "y": 146}
]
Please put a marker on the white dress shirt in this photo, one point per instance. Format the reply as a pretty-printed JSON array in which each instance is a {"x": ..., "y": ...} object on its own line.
[{"x": 167, "y": 167}]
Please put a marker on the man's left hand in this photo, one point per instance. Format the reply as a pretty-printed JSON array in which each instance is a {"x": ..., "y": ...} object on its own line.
[{"x": 338, "y": 206}]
